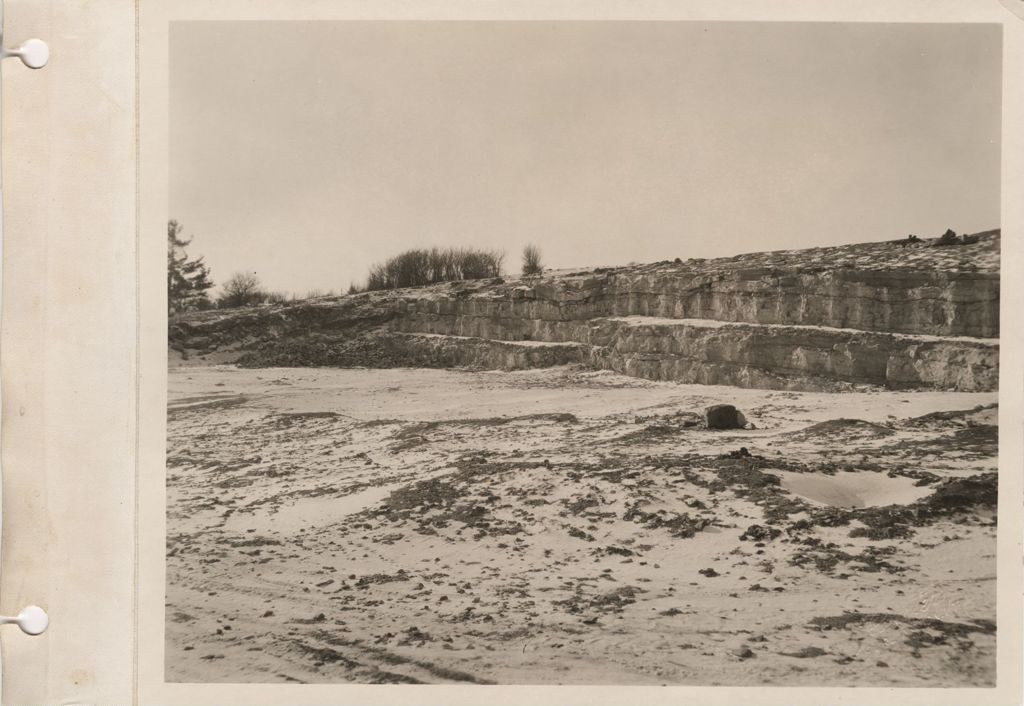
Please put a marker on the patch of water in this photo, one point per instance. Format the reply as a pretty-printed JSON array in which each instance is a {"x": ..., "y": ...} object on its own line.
[
  {"x": 318, "y": 511},
  {"x": 309, "y": 512},
  {"x": 855, "y": 489},
  {"x": 327, "y": 510}
]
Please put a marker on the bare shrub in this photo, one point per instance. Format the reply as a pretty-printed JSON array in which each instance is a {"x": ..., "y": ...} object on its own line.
[
  {"x": 243, "y": 289},
  {"x": 532, "y": 264},
  {"x": 419, "y": 267},
  {"x": 317, "y": 293}
]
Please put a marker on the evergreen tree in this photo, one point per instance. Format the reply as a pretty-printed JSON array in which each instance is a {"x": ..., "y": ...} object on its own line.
[{"x": 187, "y": 279}]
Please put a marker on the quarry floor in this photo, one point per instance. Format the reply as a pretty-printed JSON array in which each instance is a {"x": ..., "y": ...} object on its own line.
[{"x": 563, "y": 526}]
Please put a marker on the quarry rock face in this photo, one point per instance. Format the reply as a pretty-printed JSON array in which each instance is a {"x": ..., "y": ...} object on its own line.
[
  {"x": 934, "y": 303},
  {"x": 885, "y": 314}
]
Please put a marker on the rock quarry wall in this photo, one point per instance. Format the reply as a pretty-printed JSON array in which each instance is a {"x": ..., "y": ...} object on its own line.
[
  {"x": 784, "y": 357},
  {"x": 782, "y": 321},
  {"x": 934, "y": 303},
  {"x": 771, "y": 357}
]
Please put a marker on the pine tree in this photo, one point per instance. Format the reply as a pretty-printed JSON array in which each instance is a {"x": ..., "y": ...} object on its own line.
[{"x": 187, "y": 279}]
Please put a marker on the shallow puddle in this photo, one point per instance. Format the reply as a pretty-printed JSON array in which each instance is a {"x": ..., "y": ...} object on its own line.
[
  {"x": 327, "y": 510},
  {"x": 310, "y": 512},
  {"x": 858, "y": 489}
]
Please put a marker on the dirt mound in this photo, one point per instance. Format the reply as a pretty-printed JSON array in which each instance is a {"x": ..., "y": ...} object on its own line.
[
  {"x": 982, "y": 414},
  {"x": 978, "y": 441},
  {"x": 423, "y": 427},
  {"x": 370, "y": 349},
  {"x": 845, "y": 429},
  {"x": 952, "y": 497}
]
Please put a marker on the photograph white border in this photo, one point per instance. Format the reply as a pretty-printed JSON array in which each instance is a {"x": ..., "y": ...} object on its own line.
[{"x": 154, "y": 19}]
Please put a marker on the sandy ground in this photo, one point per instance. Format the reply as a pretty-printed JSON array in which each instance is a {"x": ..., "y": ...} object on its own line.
[{"x": 563, "y": 526}]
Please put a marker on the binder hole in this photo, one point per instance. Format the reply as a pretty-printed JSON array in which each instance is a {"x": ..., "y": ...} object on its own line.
[{"x": 33, "y": 620}]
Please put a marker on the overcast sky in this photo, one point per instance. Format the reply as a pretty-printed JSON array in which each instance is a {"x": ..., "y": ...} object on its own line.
[{"x": 305, "y": 151}]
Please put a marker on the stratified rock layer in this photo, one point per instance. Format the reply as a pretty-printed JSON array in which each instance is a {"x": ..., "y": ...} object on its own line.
[{"x": 880, "y": 314}]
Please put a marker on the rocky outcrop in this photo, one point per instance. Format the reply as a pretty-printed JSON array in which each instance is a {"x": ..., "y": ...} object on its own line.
[
  {"x": 450, "y": 352},
  {"x": 790, "y": 357},
  {"x": 935, "y": 303},
  {"x": 884, "y": 287},
  {"x": 877, "y": 314}
]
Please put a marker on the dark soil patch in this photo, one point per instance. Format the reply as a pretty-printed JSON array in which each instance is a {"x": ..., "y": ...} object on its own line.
[
  {"x": 680, "y": 525},
  {"x": 580, "y": 505},
  {"x": 421, "y": 428},
  {"x": 375, "y": 579},
  {"x": 448, "y": 499},
  {"x": 250, "y": 542},
  {"x": 846, "y": 429},
  {"x": 759, "y": 533},
  {"x": 925, "y": 632},
  {"x": 973, "y": 441},
  {"x": 348, "y": 349},
  {"x": 391, "y": 658},
  {"x": 951, "y": 497},
  {"x": 844, "y": 621},
  {"x": 944, "y": 418},
  {"x": 806, "y": 652},
  {"x": 654, "y": 433},
  {"x": 214, "y": 405},
  {"x": 613, "y": 601},
  {"x": 826, "y": 557}
]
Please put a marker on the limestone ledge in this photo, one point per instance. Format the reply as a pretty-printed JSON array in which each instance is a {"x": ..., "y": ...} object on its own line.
[{"x": 774, "y": 357}]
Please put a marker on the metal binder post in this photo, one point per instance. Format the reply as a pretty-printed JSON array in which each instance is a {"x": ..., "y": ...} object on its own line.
[
  {"x": 32, "y": 620},
  {"x": 34, "y": 54}
]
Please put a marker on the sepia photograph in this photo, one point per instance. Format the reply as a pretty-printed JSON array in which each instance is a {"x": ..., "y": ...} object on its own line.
[{"x": 582, "y": 353}]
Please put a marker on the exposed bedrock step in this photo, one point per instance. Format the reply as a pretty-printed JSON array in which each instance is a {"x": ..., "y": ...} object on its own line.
[
  {"x": 488, "y": 354},
  {"x": 924, "y": 302},
  {"x": 722, "y": 353}
]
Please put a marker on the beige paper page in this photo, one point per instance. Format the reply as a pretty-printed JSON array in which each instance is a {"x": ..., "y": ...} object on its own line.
[
  {"x": 68, "y": 352},
  {"x": 84, "y": 361}
]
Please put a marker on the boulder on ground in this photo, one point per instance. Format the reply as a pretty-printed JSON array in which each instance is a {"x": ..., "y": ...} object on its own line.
[
  {"x": 724, "y": 416},
  {"x": 743, "y": 652}
]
